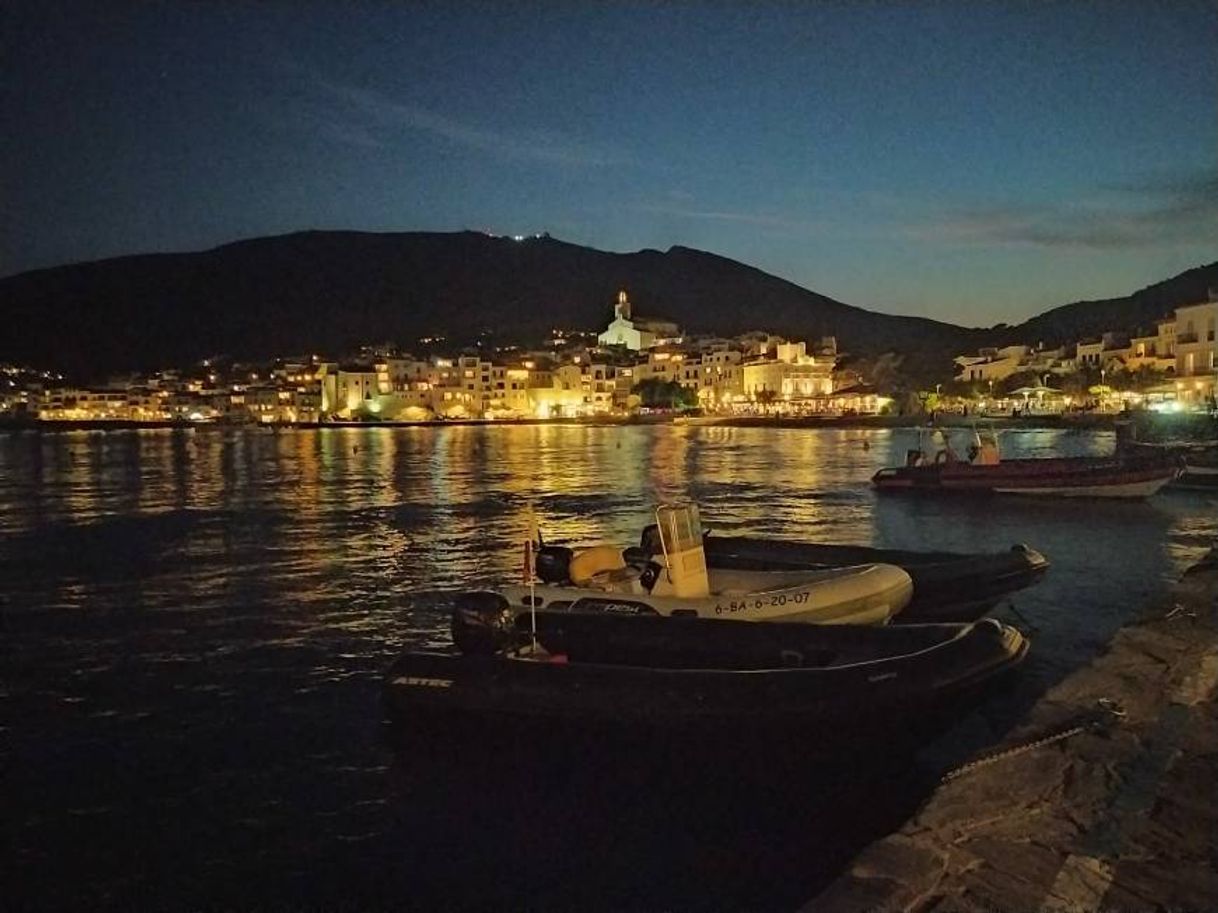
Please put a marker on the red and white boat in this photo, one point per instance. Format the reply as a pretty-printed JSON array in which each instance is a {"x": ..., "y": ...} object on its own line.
[{"x": 984, "y": 472}]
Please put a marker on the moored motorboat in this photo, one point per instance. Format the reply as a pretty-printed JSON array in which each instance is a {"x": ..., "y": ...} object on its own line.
[
  {"x": 1200, "y": 471},
  {"x": 677, "y": 581},
  {"x": 1121, "y": 475},
  {"x": 1198, "y": 461},
  {"x": 684, "y": 674},
  {"x": 947, "y": 586}
]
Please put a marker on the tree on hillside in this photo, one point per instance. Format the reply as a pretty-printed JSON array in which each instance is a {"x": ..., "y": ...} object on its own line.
[
  {"x": 1076, "y": 383},
  {"x": 1140, "y": 379},
  {"x": 965, "y": 388},
  {"x": 911, "y": 403},
  {"x": 664, "y": 394}
]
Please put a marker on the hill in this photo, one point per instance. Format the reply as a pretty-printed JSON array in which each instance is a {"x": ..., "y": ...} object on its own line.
[
  {"x": 1085, "y": 319},
  {"x": 328, "y": 291},
  {"x": 333, "y": 291}
]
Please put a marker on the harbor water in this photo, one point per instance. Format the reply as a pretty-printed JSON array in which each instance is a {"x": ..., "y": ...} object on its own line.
[{"x": 195, "y": 624}]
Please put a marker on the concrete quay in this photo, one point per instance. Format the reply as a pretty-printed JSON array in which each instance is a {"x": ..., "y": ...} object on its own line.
[{"x": 1104, "y": 798}]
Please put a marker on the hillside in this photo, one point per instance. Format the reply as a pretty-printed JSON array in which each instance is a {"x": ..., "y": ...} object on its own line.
[
  {"x": 326, "y": 291},
  {"x": 1085, "y": 319},
  {"x": 331, "y": 291}
]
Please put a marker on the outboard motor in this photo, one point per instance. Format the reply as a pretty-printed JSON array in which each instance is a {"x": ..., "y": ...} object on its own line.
[
  {"x": 554, "y": 564},
  {"x": 483, "y": 624}
]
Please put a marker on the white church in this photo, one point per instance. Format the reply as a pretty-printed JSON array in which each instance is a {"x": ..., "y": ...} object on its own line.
[{"x": 637, "y": 333}]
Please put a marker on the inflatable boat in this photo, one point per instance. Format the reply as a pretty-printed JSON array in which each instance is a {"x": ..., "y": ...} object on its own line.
[
  {"x": 677, "y": 581},
  {"x": 683, "y": 674}
]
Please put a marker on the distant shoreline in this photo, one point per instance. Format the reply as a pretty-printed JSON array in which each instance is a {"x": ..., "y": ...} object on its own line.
[{"x": 945, "y": 420}]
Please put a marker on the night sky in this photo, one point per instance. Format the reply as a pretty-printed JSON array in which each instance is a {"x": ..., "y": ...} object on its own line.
[{"x": 974, "y": 162}]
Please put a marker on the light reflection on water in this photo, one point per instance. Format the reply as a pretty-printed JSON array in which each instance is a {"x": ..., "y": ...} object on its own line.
[
  {"x": 352, "y": 532},
  {"x": 216, "y": 606}
]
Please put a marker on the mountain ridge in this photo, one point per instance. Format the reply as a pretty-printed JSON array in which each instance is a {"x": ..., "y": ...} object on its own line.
[{"x": 329, "y": 291}]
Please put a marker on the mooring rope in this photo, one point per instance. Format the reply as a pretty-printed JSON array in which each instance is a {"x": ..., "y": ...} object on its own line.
[{"x": 1110, "y": 712}]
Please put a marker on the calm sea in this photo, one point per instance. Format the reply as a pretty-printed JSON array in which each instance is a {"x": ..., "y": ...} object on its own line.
[{"x": 195, "y": 624}]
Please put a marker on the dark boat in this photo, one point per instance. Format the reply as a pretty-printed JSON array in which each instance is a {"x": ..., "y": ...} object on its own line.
[
  {"x": 1122, "y": 475},
  {"x": 1200, "y": 471},
  {"x": 1198, "y": 459},
  {"x": 650, "y": 673}
]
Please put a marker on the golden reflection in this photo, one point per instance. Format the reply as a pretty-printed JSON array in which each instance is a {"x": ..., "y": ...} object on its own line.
[{"x": 372, "y": 516}]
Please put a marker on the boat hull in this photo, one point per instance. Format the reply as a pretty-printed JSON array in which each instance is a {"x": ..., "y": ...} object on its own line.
[
  {"x": 1090, "y": 477},
  {"x": 947, "y": 586},
  {"x": 869, "y": 594},
  {"x": 1197, "y": 479},
  {"x": 1199, "y": 460},
  {"x": 1140, "y": 489},
  {"x": 827, "y": 690}
]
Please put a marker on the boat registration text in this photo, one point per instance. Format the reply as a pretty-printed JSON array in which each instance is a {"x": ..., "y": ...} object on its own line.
[{"x": 757, "y": 603}]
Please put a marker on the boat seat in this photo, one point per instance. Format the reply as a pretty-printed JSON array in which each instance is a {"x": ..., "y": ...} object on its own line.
[
  {"x": 590, "y": 562},
  {"x": 619, "y": 580}
]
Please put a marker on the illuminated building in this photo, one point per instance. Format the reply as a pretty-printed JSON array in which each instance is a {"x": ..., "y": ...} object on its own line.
[
  {"x": 793, "y": 375},
  {"x": 636, "y": 333}
]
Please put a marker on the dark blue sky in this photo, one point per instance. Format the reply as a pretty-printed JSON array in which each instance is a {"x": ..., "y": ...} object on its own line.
[{"x": 974, "y": 162}]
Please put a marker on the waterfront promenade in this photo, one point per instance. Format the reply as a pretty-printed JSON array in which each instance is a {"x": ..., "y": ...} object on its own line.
[
  {"x": 1102, "y": 799},
  {"x": 941, "y": 419}
]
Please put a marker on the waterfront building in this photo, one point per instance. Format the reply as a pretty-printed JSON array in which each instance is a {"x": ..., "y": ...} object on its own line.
[
  {"x": 582, "y": 387},
  {"x": 349, "y": 390},
  {"x": 564, "y": 398},
  {"x": 757, "y": 343},
  {"x": 720, "y": 374},
  {"x": 263, "y": 402},
  {"x": 1043, "y": 361},
  {"x": 793, "y": 377},
  {"x": 183, "y": 405},
  {"x": 857, "y": 399},
  {"x": 664, "y": 365},
  {"x": 1111, "y": 352},
  {"x": 716, "y": 377},
  {"x": 81, "y": 404},
  {"x": 990, "y": 364},
  {"x": 1195, "y": 339},
  {"x": 1197, "y": 354},
  {"x": 1157, "y": 349}
]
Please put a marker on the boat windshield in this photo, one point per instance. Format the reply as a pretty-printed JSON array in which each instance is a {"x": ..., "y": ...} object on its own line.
[{"x": 680, "y": 527}]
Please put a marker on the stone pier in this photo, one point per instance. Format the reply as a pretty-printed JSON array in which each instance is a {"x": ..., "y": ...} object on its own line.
[{"x": 1107, "y": 798}]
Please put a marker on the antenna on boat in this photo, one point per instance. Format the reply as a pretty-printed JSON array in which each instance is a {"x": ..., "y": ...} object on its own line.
[{"x": 533, "y": 535}]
